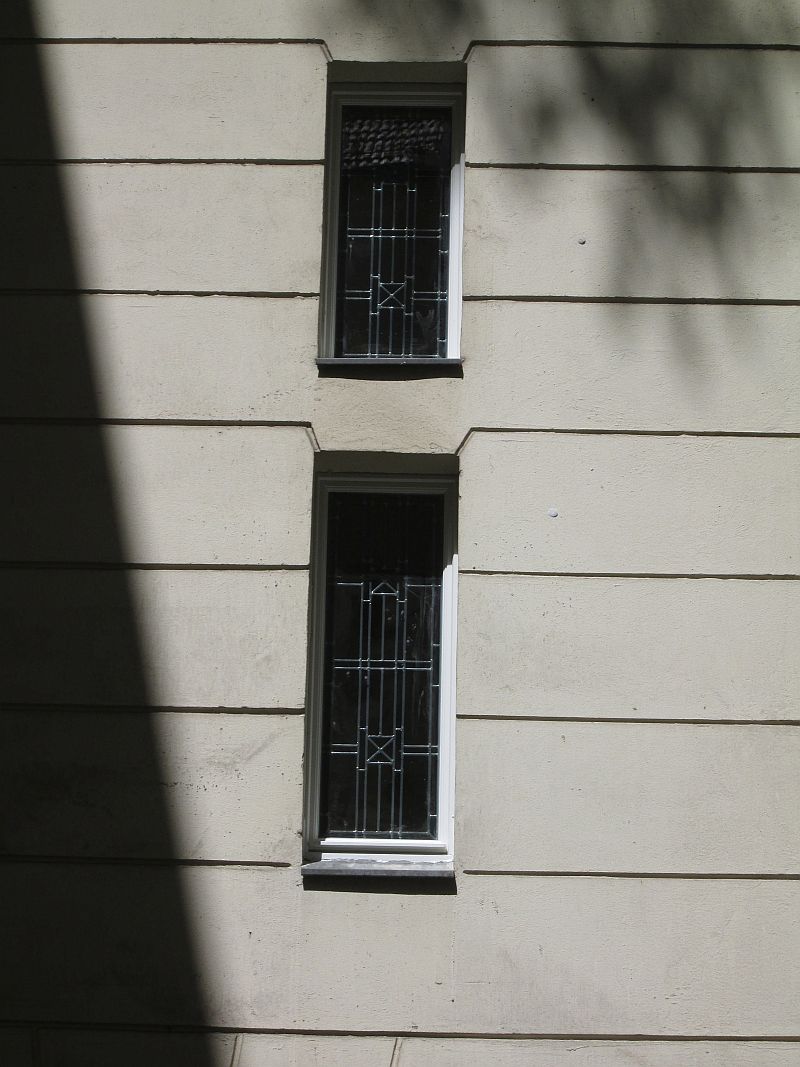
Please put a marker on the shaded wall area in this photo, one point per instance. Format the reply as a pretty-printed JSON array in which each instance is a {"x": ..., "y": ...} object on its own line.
[{"x": 94, "y": 919}]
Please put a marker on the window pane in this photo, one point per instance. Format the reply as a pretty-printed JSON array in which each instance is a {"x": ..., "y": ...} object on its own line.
[
  {"x": 393, "y": 231},
  {"x": 358, "y": 266},
  {"x": 359, "y": 201},
  {"x": 381, "y": 684}
]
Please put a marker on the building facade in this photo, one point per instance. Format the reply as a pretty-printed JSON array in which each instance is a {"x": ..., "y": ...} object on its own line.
[{"x": 608, "y": 416}]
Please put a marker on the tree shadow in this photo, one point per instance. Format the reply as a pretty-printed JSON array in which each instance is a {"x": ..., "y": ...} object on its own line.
[
  {"x": 94, "y": 923},
  {"x": 95, "y": 926},
  {"x": 700, "y": 128}
]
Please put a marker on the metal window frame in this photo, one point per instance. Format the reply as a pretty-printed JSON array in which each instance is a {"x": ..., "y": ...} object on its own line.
[
  {"x": 450, "y": 96},
  {"x": 371, "y": 855}
]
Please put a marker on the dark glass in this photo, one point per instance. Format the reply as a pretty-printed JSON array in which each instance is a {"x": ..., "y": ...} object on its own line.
[
  {"x": 425, "y": 327},
  {"x": 393, "y": 232},
  {"x": 357, "y": 329},
  {"x": 419, "y": 805},
  {"x": 343, "y": 698},
  {"x": 359, "y": 201},
  {"x": 341, "y": 773},
  {"x": 358, "y": 265},
  {"x": 427, "y": 267},
  {"x": 382, "y": 662},
  {"x": 429, "y": 203}
]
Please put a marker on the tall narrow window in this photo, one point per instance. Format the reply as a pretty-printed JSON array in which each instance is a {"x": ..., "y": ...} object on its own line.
[
  {"x": 394, "y": 231},
  {"x": 381, "y": 684},
  {"x": 380, "y": 748},
  {"x": 394, "y": 222}
]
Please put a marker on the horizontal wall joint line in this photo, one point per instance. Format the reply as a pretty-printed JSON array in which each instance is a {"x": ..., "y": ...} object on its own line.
[
  {"x": 647, "y": 168},
  {"x": 681, "y": 301},
  {"x": 693, "y": 46},
  {"x": 28, "y": 420},
  {"x": 145, "y": 709},
  {"x": 588, "y": 431},
  {"x": 115, "y": 565},
  {"x": 135, "y": 861},
  {"x": 164, "y": 40},
  {"x": 263, "y": 161},
  {"x": 45, "y": 420},
  {"x": 635, "y": 574},
  {"x": 711, "y": 876},
  {"x": 545, "y": 42},
  {"x": 261, "y": 294},
  {"x": 528, "y": 42},
  {"x": 468, "y": 298},
  {"x": 80, "y": 420},
  {"x": 624, "y": 720},
  {"x": 159, "y": 161},
  {"x": 464, "y": 1035}
]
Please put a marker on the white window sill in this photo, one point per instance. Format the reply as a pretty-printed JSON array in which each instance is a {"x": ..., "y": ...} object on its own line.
[{"x": 379, "y": 866}]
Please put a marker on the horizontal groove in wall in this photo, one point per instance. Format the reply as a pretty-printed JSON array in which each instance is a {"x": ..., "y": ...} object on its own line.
[
  {"x": 115, "y": 565},
  {"x": 135, "y": 861},
  {"x": 712, "y": 876},
  {"x": 711, "y": 46},
  {"x": 46, "y": 420},
  {"x": 210, "y": 423},
  {"x": 170, "y": 1028},
  {"x": 624, "y": 719},
  {"x": 611, "y": 432},
  {"x": 641, "y": 574},
  {"x": 143, "y": 709},
  {"x": 469, "y": 297},
  {"x": 65, "y": 420},
  {"x": 649, "y": 45},
  {"x": 175, "y": 861},
  {"x": 82, "y": 421},
  {"x": 655, "y": 168},
  {"x": 167, "y": 709},
  {"x": 687, "y": 301},
  {"x": 165, "y": 40},
  {"x": 93, "y": 565},
  {"x": 260, "y": 294},
  {"x": 258, "y": 161},
  {"x": 163, "y": 161}
]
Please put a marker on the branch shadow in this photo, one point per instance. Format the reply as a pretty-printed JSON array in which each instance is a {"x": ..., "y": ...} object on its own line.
[{"x": 697, "y": 125}]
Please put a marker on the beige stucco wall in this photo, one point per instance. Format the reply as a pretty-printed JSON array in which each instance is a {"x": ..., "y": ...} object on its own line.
[{"x": 627, "y": 765}]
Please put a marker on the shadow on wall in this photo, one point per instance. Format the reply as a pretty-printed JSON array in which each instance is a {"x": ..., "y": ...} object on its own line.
[
  {"x": 675, "y": 140},
  {"x": 94, "y": 922},
  {"x": 94, "y": 926}
]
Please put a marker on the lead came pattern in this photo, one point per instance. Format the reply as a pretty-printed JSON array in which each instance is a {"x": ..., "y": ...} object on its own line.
[
  {"x": 394, "y": 231},
  {"x": 382, "y": 673}
]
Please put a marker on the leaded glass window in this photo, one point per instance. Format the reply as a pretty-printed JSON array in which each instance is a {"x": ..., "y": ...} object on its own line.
[
  {"x": 394, "y": 229},
  {"x": 392, "y": 277},
  {"x": 381, "y": 677}
]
